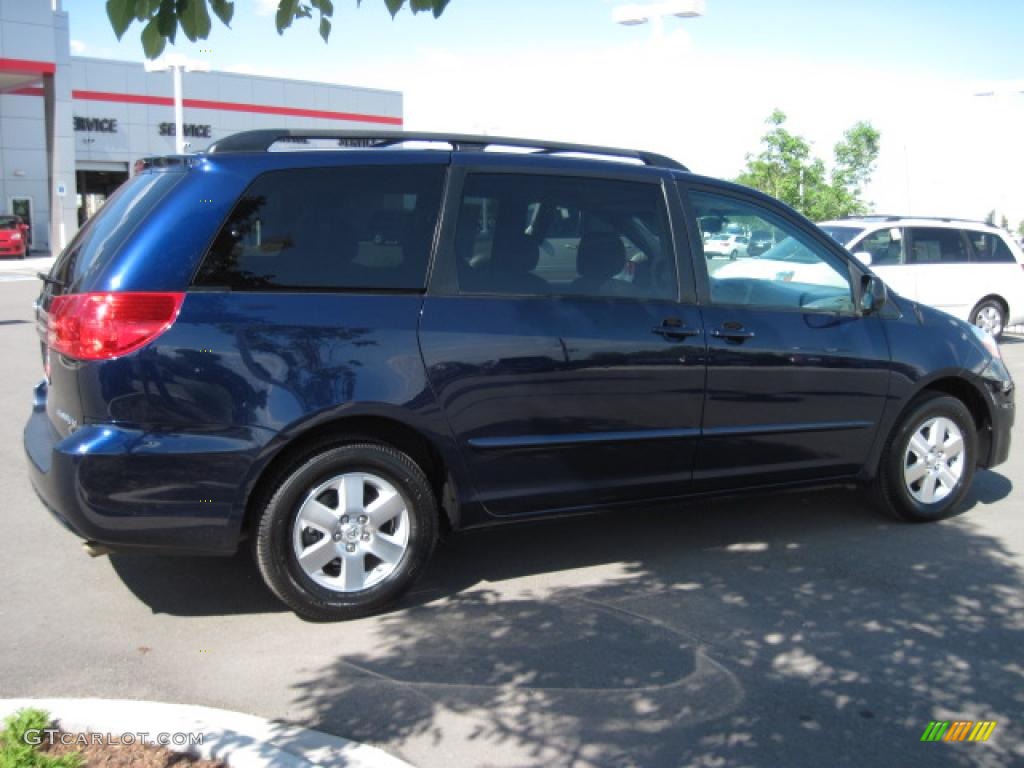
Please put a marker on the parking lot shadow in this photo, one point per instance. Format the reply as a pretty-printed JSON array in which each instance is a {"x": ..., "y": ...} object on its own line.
[
  {"x": 196, "y": 586},
  {"x": 733, "y": 633}
]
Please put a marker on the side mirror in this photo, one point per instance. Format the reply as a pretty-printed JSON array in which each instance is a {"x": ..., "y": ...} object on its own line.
[
  {"x": 873, "y": 295},
  {"x": 863, "y": 257}
]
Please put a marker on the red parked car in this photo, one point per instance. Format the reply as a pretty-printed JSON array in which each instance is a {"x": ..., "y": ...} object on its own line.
[{"x": 13, "y": 236}]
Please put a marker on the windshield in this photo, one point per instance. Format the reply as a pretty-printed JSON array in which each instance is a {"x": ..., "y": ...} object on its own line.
[
  {"x": 842, "y": 235},
  {"x": 8, "y": 222}
]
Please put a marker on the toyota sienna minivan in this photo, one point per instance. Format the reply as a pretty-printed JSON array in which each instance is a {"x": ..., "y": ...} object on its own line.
[{"x": 333, "y": 354}]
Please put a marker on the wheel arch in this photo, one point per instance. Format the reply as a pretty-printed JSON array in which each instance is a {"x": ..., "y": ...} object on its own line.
[
  {"x": 952, "y": 385},
  {"x": 358, "y": 427},
  {"x": 992, "y": 297}
]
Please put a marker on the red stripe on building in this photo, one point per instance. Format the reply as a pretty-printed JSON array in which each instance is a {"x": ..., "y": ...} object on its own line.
[
  {"x": 228, "y": 106},
  {"x": 27, "y": 66},
  {"x": 233, "y": 106}
]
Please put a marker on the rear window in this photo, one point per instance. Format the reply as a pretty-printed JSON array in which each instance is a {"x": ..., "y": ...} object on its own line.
[
  {"x": 329, "y": 228},
  {"x": 101, "y": 236}
]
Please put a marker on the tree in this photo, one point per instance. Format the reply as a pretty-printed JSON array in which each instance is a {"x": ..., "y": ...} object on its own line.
[
  {"x": 1020, "y": 228},
  {"x": 161, "y": 19},
  {"x": 786, "y": 169}
]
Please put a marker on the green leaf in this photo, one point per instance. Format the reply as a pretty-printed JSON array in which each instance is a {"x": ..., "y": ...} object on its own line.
[
  {"x": 121, "y": 14},
  {"x": 167, "y": 19},
  {"x": 153, "y": 43},
  {"x": 195, "y": 19},
  {"x": 286, "y": 11},
  {"x": 394, "y": 6},
  {"x": 325, "y": 28},
  {"x": 326, "y": 7},
  {"x": 225, "y": 10}
]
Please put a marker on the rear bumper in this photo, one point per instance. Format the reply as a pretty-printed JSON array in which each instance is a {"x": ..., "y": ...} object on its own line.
[{"x": 128, "y": 488}]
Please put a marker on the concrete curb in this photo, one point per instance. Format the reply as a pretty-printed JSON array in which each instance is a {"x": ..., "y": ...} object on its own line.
[{"x": 242, "y": 741}]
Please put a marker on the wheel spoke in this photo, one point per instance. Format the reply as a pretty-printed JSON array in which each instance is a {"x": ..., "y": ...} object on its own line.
[
  {"x": 350, "y": 495},
  {"x": 928, "y": 488},
  {"x": 919, "y": 446},
  {"x": 386, "y": 548},
  {"x": 936, "y": 434},
  {"x": 947, "y": 478},
  {"x": 384, "y": 508},
  {"x": 353, "y": 571},
  {"x": 317, "y": 515},
  {"x": 915, "y": 472},
  {"x": 315, "y": 557},
  {"x": 954, "y": 446}
]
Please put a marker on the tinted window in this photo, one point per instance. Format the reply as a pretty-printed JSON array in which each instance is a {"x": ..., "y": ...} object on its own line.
[
  {"x": 885, "y": 246},
  {"x": 793, "y": 273},
  {"x": 521, "y": 234},
  {"x": 97, "y": 241},
  {"x": 990, "y": 248},
  {"x": 842, "y": 235},
  {"x": 329, "y": 228},
  {"x": 933, "y": 245},
  {"x": 8, "y": 222}
]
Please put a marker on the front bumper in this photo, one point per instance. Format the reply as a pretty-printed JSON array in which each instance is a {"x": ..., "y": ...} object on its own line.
[
  {"x": 129, "y": 488},
  {"x": 1003, "y": 412}
]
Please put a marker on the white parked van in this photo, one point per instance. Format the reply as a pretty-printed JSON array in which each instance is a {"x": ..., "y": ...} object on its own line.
[{"x": 968, "y": 269}]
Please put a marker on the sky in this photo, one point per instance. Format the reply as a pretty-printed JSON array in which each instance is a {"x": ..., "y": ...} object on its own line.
[{"x": 699, "y": 92}]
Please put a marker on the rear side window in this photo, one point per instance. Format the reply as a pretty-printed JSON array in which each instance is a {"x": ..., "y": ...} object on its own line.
[
  {"x": 101, "y": 236},
  {"x": 990, "y": 248},
  {"x": 551, "y": 235},
  {"x": 329, "y": 228},
  {"x": 935, "y": 245}
]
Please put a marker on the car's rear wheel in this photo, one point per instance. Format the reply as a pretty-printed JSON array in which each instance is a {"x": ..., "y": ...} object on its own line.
[
  {"x": 346, "y": 531},
  {"x": 929, "y": 460},
  {"x": 733, "y": 255},
  {"x": 991, "y": 316}
]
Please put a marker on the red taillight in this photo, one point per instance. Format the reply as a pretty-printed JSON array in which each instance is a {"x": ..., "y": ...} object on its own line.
[{"x": 99, "y": 326}]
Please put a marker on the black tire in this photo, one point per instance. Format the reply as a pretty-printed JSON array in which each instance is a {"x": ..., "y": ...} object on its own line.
[
  {"x": 891, "y": 489},
  {"x": 733, "y": 255},
  {"x": 272, "y": 542},
  {"x": 989, "y": 305}
]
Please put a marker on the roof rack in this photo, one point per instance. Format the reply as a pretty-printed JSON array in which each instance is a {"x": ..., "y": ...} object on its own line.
[
  {"x": 262, "y": 140},
  {"x": 897, "y": 217}
]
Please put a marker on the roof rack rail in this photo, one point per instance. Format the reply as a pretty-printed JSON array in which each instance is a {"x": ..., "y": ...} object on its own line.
[
  {"x": 897, "y": 217},
  {"x": 262, "y": 140}
]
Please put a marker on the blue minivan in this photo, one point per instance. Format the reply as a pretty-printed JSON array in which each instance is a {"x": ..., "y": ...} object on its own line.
[{"x": 340, "y": 345}]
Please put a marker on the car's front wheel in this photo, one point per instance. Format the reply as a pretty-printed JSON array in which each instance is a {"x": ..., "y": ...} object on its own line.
[
  {"x": 991, "y": 316},
  {"x": 929, "y": 460},
  {"x": 346, "y": 531}
]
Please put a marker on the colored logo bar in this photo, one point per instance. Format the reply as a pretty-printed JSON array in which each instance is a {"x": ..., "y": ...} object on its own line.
[{"x": 958, "y": 730}]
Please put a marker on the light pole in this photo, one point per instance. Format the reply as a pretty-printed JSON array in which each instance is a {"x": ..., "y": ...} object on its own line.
[
  {"x": 177, "y": 64},
  {"x": 655, "y": 13}
]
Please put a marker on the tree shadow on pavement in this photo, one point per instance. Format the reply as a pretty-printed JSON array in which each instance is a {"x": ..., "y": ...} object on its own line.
[{"x": 798, "y": 628}]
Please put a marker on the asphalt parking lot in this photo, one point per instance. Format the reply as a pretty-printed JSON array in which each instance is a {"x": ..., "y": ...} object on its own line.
[{"x": 794, "y": 630}]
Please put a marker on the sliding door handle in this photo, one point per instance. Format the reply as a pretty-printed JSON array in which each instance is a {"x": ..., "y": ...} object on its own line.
[
  {"x": 674, "y": 328},
  {"x": 732, "y": 334}
]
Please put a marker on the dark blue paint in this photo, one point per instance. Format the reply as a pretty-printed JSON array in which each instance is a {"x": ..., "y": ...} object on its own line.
[{"x": 531, "y": 405}]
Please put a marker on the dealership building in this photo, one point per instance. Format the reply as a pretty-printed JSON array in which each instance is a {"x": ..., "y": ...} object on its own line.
[{"x": 71, "y": 127}]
